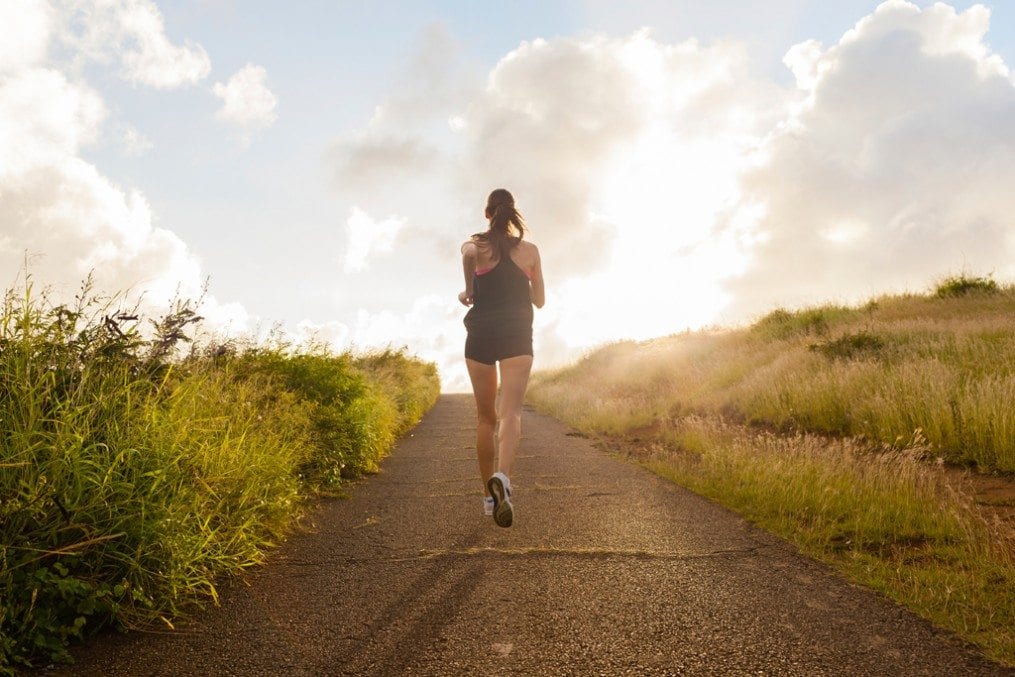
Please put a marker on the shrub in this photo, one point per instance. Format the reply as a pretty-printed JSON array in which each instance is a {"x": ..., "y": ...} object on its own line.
[
  {"x": 782, "y": 324},
  {"x": 963, "y": 285}
]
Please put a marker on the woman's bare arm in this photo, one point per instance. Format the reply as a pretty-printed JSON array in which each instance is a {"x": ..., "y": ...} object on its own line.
[
  {"x": 537, "y": 291},
  {"x": 469, "y": 268}
]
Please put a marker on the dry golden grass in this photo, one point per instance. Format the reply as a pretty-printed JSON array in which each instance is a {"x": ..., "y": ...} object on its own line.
[
  {"x": 829, "y": 426},
  {"x": 945, "y": 367}
]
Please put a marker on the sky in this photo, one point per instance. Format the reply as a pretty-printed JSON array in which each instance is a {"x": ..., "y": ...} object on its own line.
[{"x": 680, "y": 164}]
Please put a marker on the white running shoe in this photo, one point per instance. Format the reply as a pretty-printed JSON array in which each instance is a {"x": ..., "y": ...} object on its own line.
[
  {"x": 500, "y": 488},
  {"x": 488, "y": 504}
]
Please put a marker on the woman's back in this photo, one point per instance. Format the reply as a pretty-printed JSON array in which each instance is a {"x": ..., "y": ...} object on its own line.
[{"x": 501, "y": 298}]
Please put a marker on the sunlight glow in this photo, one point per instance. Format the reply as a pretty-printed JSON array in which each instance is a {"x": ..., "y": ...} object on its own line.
[{"x": 663, "y": 195}]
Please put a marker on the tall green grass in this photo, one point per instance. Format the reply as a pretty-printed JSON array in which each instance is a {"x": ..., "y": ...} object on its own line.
[{"x": 136, "y": 469}]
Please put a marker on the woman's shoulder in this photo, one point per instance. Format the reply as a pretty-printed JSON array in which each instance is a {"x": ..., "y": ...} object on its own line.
[
  {"x": 528, "y": 248},
  {"x": 526, "y": 254},
  {"x": 474, "y": 245}
]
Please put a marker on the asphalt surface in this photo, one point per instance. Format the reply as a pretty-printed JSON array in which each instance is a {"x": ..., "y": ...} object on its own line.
[{"x": 608, "y": 570}]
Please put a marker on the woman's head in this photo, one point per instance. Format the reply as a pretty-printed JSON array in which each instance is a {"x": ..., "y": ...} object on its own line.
[{"x": 507, "y": 226}]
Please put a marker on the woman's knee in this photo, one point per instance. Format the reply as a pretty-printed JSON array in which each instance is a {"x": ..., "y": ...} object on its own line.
[
  {"x": 486, "y": 417},
  {"x": 511, "y": 418}
]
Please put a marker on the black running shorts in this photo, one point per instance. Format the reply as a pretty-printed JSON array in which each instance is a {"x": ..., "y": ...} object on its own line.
[{"x": 491, "y": 350}]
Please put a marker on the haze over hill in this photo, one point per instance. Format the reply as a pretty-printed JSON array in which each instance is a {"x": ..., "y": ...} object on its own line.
[{"x": 324, "y": 164}]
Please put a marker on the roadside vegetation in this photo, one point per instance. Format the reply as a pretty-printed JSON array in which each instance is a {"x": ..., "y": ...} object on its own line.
[
  {"x": 838, "y": 428},
  {"x": 138, "y": 467}
]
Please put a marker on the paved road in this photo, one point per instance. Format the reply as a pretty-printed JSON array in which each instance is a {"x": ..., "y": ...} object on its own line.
[{"x": 608, "y": 570}]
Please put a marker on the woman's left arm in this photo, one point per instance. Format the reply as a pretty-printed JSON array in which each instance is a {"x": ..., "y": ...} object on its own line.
[{"x": 537, "y": 291}]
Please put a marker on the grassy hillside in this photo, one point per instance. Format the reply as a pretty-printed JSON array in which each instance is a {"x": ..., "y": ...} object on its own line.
[
  {"x": 940, "y": 365},
  {"x": 137, "y": 468},
  {"x": 833, "y": 427}
]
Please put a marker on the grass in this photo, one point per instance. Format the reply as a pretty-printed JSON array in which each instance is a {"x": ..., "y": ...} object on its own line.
[
  {"x": 831, "y": 427},
  {"x": 884, "y": 517},
  {"x": 136, "y": 469},
  {"x": 943, "y": 366}
]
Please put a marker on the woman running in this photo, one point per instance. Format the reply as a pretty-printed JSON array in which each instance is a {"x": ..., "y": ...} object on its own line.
[{"x": 503, "y": 280}]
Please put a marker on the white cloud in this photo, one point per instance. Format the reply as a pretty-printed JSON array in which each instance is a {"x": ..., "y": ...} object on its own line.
[
  {"x": 45, "y": 118},
  {"x": 897, "y": 167},
  {"x": 132, "y": 33},
  {"x": 71, "y": 220},
  {"x": 27, "y": 27},
  {"x": 373, "y": 160},
  {"x": 247, "y": 103},
  {"x": 135, "y": 143},
  {"x": 401, "y": 155},
  {"x": 941, "y": 29},
  {"x": 368, "y": 237},
  {"x": 59, "y": 210}
]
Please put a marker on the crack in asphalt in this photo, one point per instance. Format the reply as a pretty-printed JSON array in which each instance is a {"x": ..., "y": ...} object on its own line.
[
  {"x": 536, "y": 552},
  {"x": 578, "y": 553}
]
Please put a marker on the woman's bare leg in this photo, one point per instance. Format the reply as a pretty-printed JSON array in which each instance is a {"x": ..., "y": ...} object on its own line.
[
  {"x": 484, "y": 387},
  {"x": 514, "y": 378}
]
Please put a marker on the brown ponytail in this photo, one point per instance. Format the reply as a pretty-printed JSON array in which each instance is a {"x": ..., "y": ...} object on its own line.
[{"x": 507, "y": 227}]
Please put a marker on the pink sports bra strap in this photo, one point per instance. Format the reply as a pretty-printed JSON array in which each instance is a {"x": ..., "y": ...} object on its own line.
[{"x": 484, "y": 271}]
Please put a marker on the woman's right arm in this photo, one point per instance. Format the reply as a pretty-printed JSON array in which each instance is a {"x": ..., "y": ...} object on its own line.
[{"x": 469, "y": 268}]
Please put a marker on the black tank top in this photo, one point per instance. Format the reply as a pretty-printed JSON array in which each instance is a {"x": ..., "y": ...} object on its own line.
[{"x": 501, "y": 305}]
